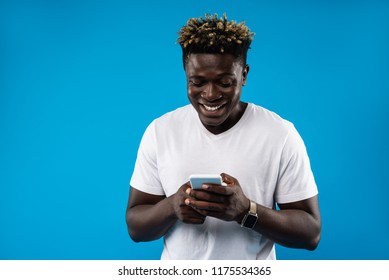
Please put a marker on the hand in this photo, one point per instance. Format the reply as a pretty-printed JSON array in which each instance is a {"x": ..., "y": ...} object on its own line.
[
  {"x": 183, "y": 212},
  {"x": 227, "y": 203}
]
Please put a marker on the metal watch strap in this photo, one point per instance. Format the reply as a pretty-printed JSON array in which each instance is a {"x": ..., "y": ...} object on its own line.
[
  {"x": 253, "y": 208},
  {"x": 250, "y": 219}
]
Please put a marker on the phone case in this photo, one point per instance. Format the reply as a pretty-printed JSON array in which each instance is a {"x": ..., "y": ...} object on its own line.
[{"x": 197, "y": 180}]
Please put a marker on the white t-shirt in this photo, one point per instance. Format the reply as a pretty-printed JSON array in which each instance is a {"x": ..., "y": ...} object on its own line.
[{"x": 262, "y": 151}]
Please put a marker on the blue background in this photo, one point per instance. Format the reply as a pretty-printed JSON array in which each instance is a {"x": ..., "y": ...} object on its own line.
[{"x": 81, "y": 80}]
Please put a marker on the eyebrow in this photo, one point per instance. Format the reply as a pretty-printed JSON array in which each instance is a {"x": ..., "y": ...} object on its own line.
[{"x": 218, "y": 75}]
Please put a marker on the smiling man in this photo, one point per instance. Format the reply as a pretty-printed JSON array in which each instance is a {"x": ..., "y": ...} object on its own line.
[{"x": 260, "y": 156}]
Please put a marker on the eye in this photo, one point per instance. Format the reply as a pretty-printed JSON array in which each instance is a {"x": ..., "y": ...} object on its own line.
[
  {"x": 226, "y": 83},
  {"x": 196, "y": 83}
]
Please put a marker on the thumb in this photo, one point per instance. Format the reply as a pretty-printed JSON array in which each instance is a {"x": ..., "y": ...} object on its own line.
[{"x": 229, "y": 180}]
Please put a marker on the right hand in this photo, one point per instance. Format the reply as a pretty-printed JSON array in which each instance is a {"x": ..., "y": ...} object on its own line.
[{"x": 183, "y": 212}]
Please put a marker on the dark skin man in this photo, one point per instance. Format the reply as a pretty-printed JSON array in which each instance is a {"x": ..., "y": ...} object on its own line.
[{"x": 214, "y": 86}]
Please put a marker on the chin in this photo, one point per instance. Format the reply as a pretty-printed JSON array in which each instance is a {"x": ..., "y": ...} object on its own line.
[{"x": 210, "y": 122}]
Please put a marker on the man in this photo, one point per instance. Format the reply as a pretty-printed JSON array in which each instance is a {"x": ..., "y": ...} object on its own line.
[{"x": 261, "y": 157}]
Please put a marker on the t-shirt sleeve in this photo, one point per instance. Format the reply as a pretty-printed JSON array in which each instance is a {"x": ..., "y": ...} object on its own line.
[
  {"x": 145, "y": 176},
  {"x": 295, "y": 180}
]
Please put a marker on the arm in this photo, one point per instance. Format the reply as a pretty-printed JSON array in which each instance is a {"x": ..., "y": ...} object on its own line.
[
  {"x": 149, "y": 216},
  {"x": 296, "y": 224}
]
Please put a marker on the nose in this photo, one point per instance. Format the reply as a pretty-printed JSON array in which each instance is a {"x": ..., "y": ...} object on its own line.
[{"x": 211, "y": 93}]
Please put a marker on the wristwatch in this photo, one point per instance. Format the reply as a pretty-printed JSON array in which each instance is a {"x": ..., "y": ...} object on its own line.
[{"x": 250, "y": 219}]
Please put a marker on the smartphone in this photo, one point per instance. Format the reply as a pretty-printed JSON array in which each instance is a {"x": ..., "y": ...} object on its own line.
[{"x": 197, "y": 180}]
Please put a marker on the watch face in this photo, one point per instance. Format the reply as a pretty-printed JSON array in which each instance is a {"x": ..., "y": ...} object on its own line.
[{"x": 250, "y": 221}]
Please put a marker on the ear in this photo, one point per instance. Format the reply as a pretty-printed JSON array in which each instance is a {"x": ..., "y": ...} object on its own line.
[{"x": 245, "y": 73}]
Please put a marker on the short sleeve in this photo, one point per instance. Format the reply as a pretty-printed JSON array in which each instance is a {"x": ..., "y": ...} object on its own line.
[
  {"x": 295, "y": 179},
  {"x": 145, "y": 176}
]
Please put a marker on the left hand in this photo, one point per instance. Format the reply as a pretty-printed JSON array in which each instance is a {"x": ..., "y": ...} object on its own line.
[{"x": 227, "y": 203}]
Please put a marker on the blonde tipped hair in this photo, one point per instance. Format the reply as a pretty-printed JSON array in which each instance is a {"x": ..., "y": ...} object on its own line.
[{"x": 214, "y": 34}]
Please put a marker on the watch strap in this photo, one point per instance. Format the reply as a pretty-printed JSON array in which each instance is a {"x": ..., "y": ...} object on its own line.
[
  {"x": 250, "y": 219},
  {"x": 253, "y": 208}
]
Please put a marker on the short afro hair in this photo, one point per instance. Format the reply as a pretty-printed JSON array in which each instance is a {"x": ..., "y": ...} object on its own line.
[{"x": 215, "y": 35}]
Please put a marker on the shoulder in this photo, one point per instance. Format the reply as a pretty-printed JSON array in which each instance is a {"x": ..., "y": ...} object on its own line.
[
  {"x": 166, "y": 129},
  {"x": 278, "y": 130},
  {"x": 179, "y": 115},
  {"x": 269, "y": 121},
  {"x": 172, "y": 123}
]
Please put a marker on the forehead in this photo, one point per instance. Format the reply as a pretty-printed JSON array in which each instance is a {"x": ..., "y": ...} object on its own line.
[{"x": 212, "y": 63}]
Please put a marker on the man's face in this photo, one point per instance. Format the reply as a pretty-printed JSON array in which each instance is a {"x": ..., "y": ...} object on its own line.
[{"x": 214, "y": 84}]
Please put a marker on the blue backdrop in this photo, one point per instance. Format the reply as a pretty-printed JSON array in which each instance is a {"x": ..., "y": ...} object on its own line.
[{"x": 81, "y": 80}]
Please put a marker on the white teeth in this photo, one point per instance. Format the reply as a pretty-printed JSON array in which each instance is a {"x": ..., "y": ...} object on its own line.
[{"x": 209, "y": 108}]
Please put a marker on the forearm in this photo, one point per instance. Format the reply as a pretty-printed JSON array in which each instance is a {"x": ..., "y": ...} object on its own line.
[
  {"x": 150, "y": 222},
  {"x": 290, "y": 227},
  {"x": 296, "y": 225}
]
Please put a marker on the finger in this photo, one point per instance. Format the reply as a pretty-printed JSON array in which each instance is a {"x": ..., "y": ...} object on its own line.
[
  {"x": 186, "y": 185},
  {"x": 218, "y": 189},
  {"x": 204, "y": 212},
  {"x": 193, "y": 213},
  {"x": 206, "y": 196},
  {"x": 204, "y": 205},
  {"x": 187, "y": 212},
  {"x": 194, "y": 221}
]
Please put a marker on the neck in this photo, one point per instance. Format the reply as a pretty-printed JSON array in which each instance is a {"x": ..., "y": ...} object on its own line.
[{"x": 232, "y": 120}]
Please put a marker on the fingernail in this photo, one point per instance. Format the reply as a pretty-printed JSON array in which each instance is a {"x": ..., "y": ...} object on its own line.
[
  {"x": 187, "y": 201},
  {"x": 188, "y": 191},
  {"x": 205, "y": 187}
]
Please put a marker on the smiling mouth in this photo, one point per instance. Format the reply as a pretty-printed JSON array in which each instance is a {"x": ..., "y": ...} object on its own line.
[{"x": 212, "y": 108}]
